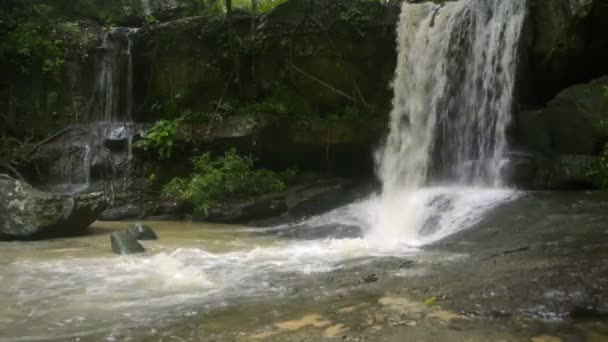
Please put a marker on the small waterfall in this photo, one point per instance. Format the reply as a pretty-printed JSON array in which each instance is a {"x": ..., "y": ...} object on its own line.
[
  {"x": 453, "y": 91},
  {"x": 97, "y": 153},
  {"x": 145, "y": 5},
  {"x": 112, "y": 100}
]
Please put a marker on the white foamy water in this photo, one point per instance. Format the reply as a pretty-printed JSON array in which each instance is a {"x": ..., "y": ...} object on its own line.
[{"x": 453, "y": 93}]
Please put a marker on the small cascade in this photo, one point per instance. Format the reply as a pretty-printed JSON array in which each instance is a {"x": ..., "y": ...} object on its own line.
[
  {"x": 453, "y": 91},
  {"x": 146, "y": 8},
  {"x": 112, "y": 100},
  {"x": 96, "y": 154}
]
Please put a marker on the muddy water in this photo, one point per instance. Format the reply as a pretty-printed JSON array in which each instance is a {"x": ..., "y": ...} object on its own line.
[{"x": 518, "y": 274}]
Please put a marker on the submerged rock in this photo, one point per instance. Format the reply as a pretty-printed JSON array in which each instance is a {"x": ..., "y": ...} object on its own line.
[
  {"x": 28, "y": 213},
  {"x": 141, "y": 231},
  {"x": 124, "y": 243}
]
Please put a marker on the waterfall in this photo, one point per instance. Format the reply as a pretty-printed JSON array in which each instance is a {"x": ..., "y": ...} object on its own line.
[
  {"x": 112, "y": 100},
  {"x": 97, "y": 153},
  {"x": 453, "y": 92}
]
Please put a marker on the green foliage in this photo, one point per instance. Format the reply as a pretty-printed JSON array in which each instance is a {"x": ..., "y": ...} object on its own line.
[
  {"x": 599, "y": 171},
  {"x": 220, "y": 179},
  {"x": 263, "y": 6},
  {"x": 29, "y": 39},
  {"x": 161, "y": 137},
  {"x": 268, "y": 5}
]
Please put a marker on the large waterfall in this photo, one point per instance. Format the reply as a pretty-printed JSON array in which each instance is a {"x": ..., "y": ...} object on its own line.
[{"x": 453, "y": 92}]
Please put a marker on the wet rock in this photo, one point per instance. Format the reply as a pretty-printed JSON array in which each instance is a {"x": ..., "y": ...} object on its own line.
[
  {"x": 261, "y": 208},
  {"x": 319, "y": 199},
  {"x": 124, "y": 243},
  {"x": 519, "y": 169},
  {"x": 125, "y": 212},
  {"x": 307, "y": 199},
  {"x": 28, "y": 213},
  {"x": 549, "y": 172},
  {"x": 567, "y": 44},
  {"x": 370, "y": 278},
  {"x": 568, "y": 172},
  {"x": 303, "y": 232},
  {"x": 172, "y": 208},
  {"x": 141, "y": 231},
  {"x": 570, "y": 124},
  {"x": 441, "y": 204}
]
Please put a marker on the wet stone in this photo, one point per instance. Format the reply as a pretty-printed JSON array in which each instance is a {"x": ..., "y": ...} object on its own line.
[
  {"x": 141, "y": 231},
  {"x": 124, "y": 243}
]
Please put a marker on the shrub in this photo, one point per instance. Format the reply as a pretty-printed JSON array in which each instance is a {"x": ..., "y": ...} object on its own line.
[
  {"x": 161, "y": 137},
  {"x": 221, "y": 179}
]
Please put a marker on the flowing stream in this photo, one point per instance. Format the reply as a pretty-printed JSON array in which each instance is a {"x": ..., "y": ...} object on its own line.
[{"x": 440, "y": 170}]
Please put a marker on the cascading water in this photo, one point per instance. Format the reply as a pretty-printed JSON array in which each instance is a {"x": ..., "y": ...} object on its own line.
[
  {"x": 452, "y": 102},
  {"x": 98, "y": 152},
  {"x": 112, "y": 100}
]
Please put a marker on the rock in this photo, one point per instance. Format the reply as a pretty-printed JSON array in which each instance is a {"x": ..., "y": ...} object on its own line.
[
  {"x": 549, "y": 172},
  {"x": 260, "y": 208},
  {"x": 141, "y": 231},
  {"x": 172, "y": 208},
  {"x": 567, "y": 172},
  {"x": 124, "y": 243},
  {"x": 28, "y": 213},
  {"x": 320, "y": 198},
  {"x": 570, "y": 124},
  {"x": 125, "y": 212},
  {"x": 307, "y": 199},
  {"x": 82, "y": 158},
  {"x": 520, "y": 169},
  {"x": 567, "y": 44}
]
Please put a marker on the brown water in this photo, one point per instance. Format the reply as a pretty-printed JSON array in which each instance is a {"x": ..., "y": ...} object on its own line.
[{"x": 310, "y": 282}]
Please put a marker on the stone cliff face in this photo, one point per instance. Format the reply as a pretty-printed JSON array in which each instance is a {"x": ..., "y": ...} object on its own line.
[{"x": 321, "y": 57}]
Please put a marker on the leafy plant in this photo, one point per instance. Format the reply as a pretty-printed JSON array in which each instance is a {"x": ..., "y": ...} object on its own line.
[
  {"x": 599, "y": 170},
  {"x": 161, "y": 137},
  {"x": 217, "y": 180},
  {"x": 30, "y": 42}
]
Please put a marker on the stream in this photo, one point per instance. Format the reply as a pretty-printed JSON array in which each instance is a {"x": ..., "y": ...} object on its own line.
[{"x": 240, "y": 283}]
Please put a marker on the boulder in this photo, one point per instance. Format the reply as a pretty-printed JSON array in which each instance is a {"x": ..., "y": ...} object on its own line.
[
  {"x": 124, "y": 212},
  {"x": 567, "y": 44},
  {"x": 260, "y": 208},
  {"x": 141, "y": 231},
  {"x": 28, "y": 213},
  {"x": 542, "y": 172},
  {"x": 124, "y": 243},
  {"x": 570, "y": 123},
  {"x": 567, "y": 172},
  {"x": 297, "y": 202}
]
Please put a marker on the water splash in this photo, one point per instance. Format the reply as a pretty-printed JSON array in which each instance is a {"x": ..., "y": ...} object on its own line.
[{"x": 453, "y": 92}]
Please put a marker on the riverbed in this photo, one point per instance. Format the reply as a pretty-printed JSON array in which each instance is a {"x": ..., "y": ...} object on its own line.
[{"x": 495, "y": 266}]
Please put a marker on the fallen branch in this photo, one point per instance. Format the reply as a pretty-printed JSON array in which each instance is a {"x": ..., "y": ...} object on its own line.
[
  {"x": 337, "y": 91},
  {"x": 510, "y": 251}
]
